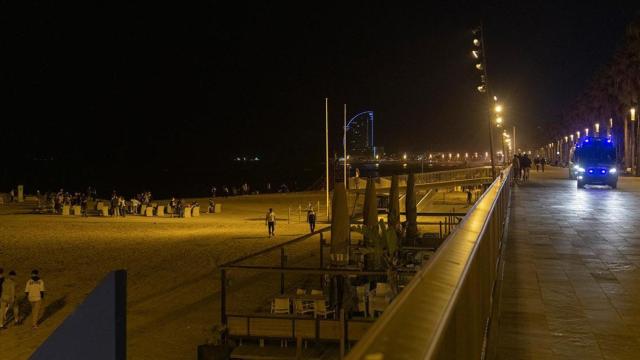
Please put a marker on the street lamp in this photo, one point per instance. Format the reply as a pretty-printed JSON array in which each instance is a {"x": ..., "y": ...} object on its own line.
[
  {"x": 586, "y": 131},
  {"x": 498, "y": 109},
  {"x": 479, "y": 53},
  {"x": 578, "y": 135},
  {"x": 597, "y": 128},
  {"x": 633, "y": 114}
]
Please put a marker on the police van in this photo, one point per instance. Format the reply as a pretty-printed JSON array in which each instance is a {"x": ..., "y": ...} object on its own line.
[{"x": 594, "y": 162}]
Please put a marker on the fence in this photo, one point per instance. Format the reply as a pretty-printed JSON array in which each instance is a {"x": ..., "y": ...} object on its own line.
[{"x": 444, "y": 311}]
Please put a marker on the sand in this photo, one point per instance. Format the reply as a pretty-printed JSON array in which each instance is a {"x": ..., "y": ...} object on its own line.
[
  {"x": 173, "y": 281},
  {"x": 173, "y": 285}
]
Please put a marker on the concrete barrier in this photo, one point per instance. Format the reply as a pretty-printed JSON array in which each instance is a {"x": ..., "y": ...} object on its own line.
[
  {"x": 195, "y": 211},
  {"x": 160, "y": 211},
  {"x": 148, "y": 211},
  {"x": 77, "y": 210},
  {"x": 65, "y": 210},
  {"x": 187, "y": 212}
]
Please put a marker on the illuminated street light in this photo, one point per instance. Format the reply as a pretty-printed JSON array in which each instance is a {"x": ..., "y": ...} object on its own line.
[
  {"x": 566, "y": 139},
  {"x": 578, "y": 134},
  {"x": 633, "y": 114},
  {"x": 498, "y": 109},
  {"x": 482, "y": 88},
  {"x": 404, "y": 157},
  {"x": 476, "y": 42},
  {"x": 571, "y": 137},
  {"x": 499, "y": 120},
  {"x": 586, "y": 131},
  {"x": 377, "y": 156},
  {"x": 475, "y": 53},
  {"x": 597, "y": 126}
]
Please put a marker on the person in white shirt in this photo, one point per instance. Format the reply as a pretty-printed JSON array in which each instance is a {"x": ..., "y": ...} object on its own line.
[
  {"x": 271, "y": 222},
  {"x": 35, "y": 293}
]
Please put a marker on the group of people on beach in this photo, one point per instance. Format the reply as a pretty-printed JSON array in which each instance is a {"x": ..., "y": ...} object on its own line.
[
  {"x": 270, "y": 220},
  {"x": 34, "y": 292}
]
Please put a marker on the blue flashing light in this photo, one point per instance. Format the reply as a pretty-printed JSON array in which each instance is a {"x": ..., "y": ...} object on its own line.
[{"x": 586, "y": 140}]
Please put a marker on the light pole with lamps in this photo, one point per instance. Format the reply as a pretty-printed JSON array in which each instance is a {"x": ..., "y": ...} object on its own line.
[{"x": 479, "y": 52}]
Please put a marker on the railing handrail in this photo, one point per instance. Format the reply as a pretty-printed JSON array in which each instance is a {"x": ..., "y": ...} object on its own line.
[{"x": 406, "y": 333}]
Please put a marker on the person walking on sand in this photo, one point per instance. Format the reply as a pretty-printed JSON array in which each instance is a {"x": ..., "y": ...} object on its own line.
[
  {"x": 35, "y": 293},
  {"x": 311, "y": 219},
  {"x": 271, "y": 222},
  {"x": 8, "y": 299}
]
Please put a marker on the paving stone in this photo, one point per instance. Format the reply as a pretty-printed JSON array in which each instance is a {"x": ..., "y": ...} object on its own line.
[{"x": 571, "y": 283}]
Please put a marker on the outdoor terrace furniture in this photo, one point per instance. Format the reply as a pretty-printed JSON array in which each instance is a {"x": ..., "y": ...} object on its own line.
[
  {"x": 379, "y": 298},
  {"x": 281, "y": 305},
  {"x": 320, "y": 309},
  {"x": 361, "y": 294}
]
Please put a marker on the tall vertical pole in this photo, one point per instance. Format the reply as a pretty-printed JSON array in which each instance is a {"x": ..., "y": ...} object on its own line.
[
  {"x": 627, "y": 148},
  {"x": 344, "y": 145},
  {"x": 515, "y": 147},
  {"x": 486, "y": 80},
  {"x": 326, "y": 155}
]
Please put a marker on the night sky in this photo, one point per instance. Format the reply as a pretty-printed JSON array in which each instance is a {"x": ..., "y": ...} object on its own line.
[{"x": 145, "y": 88}]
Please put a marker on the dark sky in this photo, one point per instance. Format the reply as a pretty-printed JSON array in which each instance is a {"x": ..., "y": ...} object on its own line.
[{"x": 130, "y": 82}]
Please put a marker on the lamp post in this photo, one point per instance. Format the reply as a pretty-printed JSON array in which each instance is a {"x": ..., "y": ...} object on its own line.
[
  {"x": 633, "y": 141},
  {"x": 479, "y": 53}
]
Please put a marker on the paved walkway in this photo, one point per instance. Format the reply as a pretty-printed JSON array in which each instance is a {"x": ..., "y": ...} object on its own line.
[{"x": 571, "y": 287}]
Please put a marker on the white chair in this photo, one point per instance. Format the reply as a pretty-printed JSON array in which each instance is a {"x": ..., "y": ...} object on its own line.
[
  {"x": 320, "y": 309},
  {"x": 280, "y": 306}
]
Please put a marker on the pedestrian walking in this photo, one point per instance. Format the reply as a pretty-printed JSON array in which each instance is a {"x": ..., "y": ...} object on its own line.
[
  {"x": 270, "y": 221},
  {"x": 516, "y": 167},
  {"x": 468, "y": 196},
  {"x": 8, "y": 299},
  {"x": 536, "y": 161},
  {"x": 35, "y": 293},
  {"x": 543, "y": 162},
  {"x": 525, "y": 164},
  {"x": 311, "y": 219}
]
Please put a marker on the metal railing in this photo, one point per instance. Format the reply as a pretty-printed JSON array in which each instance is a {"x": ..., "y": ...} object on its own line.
[
  {"x": 445, "y": 310},
  {"x": 481, "y": 173}
]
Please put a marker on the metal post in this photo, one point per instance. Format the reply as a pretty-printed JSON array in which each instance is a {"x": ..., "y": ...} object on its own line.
[
  {"x": 344, "y": 145},
  {"x": 223, "y": 297},
  {"x": 282, "y": 263},
  {"x": 326, "y": 156}
]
